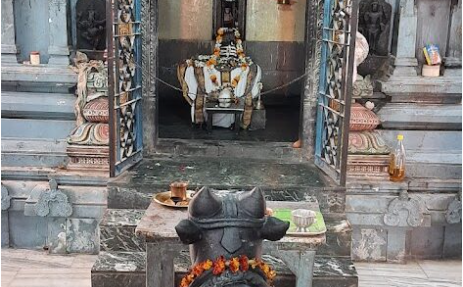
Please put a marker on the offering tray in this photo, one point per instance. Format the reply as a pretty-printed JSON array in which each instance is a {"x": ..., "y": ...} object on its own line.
[{"x": 163, "y": 198}]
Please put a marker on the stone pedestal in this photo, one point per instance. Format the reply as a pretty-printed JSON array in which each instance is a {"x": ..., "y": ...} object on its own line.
[
  {"x": 88, "y": 157},
  {"x": 9, "y": 49},
  {"x": 58, "y": 42}
]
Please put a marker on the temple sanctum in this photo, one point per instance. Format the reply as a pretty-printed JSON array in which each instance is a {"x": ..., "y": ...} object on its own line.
[{"x": 231, "y": 142}]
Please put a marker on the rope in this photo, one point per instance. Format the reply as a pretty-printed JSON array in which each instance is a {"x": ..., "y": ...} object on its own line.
[{"x": 263, "y": 93}]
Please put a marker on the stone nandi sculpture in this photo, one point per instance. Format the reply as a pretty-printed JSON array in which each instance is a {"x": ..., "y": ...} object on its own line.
[{"x": 225, "y": 236}]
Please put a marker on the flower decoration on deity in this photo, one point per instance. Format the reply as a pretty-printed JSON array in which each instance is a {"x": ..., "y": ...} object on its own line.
[{"x": 234, "y": 265}]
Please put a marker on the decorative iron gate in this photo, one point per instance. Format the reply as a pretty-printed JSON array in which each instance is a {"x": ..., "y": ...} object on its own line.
[
  {"x": 125, "y": 75},
  {"x": 335, "y": 87}
]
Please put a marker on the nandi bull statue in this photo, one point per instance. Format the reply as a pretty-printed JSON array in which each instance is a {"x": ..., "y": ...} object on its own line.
[{"x": 225, "y": 235}]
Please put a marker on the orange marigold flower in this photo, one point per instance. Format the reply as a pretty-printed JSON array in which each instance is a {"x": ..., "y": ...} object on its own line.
[
  {"x": 244, "y": 264},
  {"x": 185, "y": 282},
  {"x": 198, "y": 270},
  {"x": 207, "y": 264},
  {"x": 217, "y": 53},
  {"x": 234, "y": 264},
  {"x": 218, "y": 39},
  {"x": 213, "y": 78},
  {"x": 271, "y": 275},
  {"x": 218, "y": 266}
]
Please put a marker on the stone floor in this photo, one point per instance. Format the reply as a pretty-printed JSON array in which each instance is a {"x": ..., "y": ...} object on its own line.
[
  {"x": 21, "y": 268},
  {"x": 282, "y": 121}
]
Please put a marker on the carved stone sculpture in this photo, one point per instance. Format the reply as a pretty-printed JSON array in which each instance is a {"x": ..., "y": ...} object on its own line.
[
  {"x": 91, "y": 24},
  {"x": 53, "y": 202},
  {"x": 88, "y": 143},
  {"x": 225, "y": 236},
  {"x": 374, "y": 24},
  {"x": 453, "y": 214},
  {"x": 405, "y": 211},
  {"x": 6, "y": 198}
]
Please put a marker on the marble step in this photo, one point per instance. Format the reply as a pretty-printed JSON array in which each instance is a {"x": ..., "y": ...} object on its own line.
[
  {"x": 277, "y": 178},
  {"x": 421, "y": 116},
  {"x": 22, "y": 152},
  {"x": 117, "y": 233},
  {"x": 114, "y": 269},
  {"x": 117, "y": 230},
  {"x": 38, "y": 105},
  {"x": 237, "y": 149},
  {"x": 37, "y": 128},
  {"x": 41, "y": 78}
]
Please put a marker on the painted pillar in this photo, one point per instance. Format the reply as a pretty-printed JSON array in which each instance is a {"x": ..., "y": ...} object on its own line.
[
  {"x": 58, "y": 41},
  {"x": 406, "y": 61},
  {"x": 9, "y": 49}
]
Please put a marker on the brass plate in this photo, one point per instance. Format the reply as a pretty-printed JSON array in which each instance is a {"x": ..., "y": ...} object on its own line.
[{"x": 163, "y": 198}]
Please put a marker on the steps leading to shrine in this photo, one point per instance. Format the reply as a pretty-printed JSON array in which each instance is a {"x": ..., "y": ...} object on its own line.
[
  {"x": 128, "y": 269},
  {"x": 282, "y": 151},
  {"x": 283, "y": 180},
  {"x": 38, "y": 105}
]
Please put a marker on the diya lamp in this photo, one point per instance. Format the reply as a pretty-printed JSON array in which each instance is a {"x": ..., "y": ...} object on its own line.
[
  {"x": 178, "y": 191},
  {"x": 284, "y": 2}
]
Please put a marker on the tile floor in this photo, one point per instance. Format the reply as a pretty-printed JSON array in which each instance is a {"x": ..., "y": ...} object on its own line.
[{"x": 25, "y": 268}]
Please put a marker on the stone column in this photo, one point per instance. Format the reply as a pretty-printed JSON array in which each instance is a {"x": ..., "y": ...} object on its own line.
[
  {"x": 58, "y": 48},
  {"x": 9, "y": 49},
  {"x": 406, "y": 62},
  {"x": 453, "y": 56}
]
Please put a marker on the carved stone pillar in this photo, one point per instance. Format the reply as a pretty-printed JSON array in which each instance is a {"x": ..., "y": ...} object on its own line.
[
  {"x": 9, "y": 49},
  {"x": 453, "y": 56},
  {"x": 406, "y": 62},
  {"x": 58, "y": 47}
]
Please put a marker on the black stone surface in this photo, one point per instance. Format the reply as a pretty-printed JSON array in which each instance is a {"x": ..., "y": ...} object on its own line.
[
  {"x": 278, "y": 179},
  {"x": 328, "y": 271},
  {"x": 282, "y": 121},
  {"x": 117, "y": 230}
]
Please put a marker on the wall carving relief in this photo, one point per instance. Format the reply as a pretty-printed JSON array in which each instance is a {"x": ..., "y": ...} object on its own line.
[
  {"x": 405, "y": 210},
  {"x": 6, "y": 198},
  {"x": 453, "y": 214},
  {"x": 371, "y": 246},
  {"x": 53, "y": 202}
]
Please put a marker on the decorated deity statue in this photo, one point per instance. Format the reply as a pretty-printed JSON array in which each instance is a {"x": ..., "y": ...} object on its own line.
[
  {"x": 227, "y": 73},
  {"x": 225, "y": 234}
]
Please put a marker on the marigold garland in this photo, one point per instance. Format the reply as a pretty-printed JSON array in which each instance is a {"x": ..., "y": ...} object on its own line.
[{"x": 234, "y": 264}]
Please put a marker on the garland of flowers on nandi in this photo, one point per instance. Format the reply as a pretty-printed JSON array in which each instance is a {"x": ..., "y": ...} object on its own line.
[{"x": 234, "y": 264}]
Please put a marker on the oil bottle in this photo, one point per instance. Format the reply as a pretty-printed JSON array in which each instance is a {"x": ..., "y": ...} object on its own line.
[{"x": 397, "y": 162}]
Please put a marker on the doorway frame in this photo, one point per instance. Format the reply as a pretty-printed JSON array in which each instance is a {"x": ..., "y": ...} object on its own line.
[{"x": 308, "y": 107}]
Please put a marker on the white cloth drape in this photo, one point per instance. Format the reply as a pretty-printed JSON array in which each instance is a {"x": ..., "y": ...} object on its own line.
[{"x": 221, "y": 120}]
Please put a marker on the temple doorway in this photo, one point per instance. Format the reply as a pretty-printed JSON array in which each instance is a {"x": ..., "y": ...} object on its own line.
[
  {"x": 162, "y": 45},
  {"x": 186, "y": 31}
]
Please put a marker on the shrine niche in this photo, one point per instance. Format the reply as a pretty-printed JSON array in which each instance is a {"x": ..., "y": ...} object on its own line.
[
  {"x": 90, "y": 26},
  {"x": 230, "y": 14},
  {"x": 375, "y": 24}
]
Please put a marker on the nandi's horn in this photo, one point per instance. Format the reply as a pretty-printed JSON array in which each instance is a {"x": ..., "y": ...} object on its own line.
[
  {"x": 253, "y": 203},
  {"x": 204, "y": 204}
]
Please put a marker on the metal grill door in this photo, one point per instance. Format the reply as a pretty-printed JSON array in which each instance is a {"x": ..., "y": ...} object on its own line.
[
  {"x": 335, "y": 87},
  {"x": 124, "y": 72}
]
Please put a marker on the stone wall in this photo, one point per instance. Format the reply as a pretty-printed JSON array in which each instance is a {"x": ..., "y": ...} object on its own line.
[
  {"x": 60, "y": 215},
  {"x": 186, "y": 29},
  {"x": 420, "y": 217}
]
